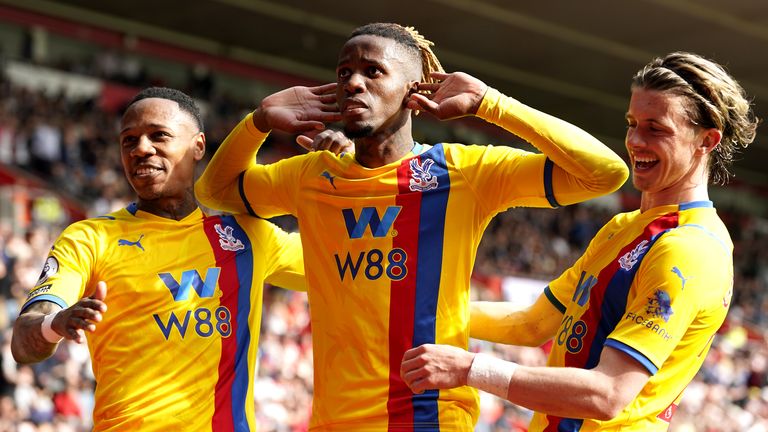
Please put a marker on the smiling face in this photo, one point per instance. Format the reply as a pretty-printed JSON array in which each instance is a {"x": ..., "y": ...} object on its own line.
[
  {"x": 159, "y": 146},
  {"x": 375, "y": 76},
  {"x": 667, "y": 151}
]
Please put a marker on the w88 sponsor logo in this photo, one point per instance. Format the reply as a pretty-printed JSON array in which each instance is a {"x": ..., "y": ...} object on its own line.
[
  {"x": 206, "y": 322},
  {"x": 374, "y": 264}
]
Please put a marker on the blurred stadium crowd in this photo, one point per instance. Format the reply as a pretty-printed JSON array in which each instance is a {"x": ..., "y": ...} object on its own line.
[{"x": 71, "y": 147}]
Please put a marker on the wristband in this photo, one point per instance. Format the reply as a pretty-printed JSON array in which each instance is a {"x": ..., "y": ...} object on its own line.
[
  {"x": 491, "y": 375},
  {"x": 50, "y": 334}
]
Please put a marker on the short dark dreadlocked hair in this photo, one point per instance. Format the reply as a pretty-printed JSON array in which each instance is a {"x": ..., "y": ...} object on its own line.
[
  {"x": 186, "y": 103},
  {"x": 715, "y": 100},
  {"x": 409, "y": 38}
]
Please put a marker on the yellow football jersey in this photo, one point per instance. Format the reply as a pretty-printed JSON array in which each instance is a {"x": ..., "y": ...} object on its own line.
[
  {"x": 655, "y": 285},
  {"x": 390, "y": 250},
  {"x": 176, "y": 349}
]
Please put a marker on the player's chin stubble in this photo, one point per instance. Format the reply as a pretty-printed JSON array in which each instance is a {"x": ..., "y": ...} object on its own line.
[{"x": 363, "y": 132}]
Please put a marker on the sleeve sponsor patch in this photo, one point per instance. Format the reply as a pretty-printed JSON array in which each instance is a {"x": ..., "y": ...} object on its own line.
[
  {"x": 41, "y": 290},
  {"x": 648, "y": 323},
  {"x": 660, "y": 305},
  {"x": 50, "y": 268}
]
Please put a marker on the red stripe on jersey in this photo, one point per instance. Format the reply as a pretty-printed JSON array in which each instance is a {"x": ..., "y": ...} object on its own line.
[
  {"x": 403, "y": 300},
  {"x": 552, "y": 423},
  {"x": 593, "y": 314},
  {"x": 228, "y": 283}
]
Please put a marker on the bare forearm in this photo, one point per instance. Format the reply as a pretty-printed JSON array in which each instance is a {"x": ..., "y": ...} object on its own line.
[
  {"x": 565, "y": 392},
  {"x": 504, "y": 322},
  {"x": 600, "y": 393},
  {"x": 27, "y": 342}
]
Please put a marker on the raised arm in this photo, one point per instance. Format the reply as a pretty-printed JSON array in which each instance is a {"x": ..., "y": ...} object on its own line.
[
  {"x": 33, "y": 340},
  {"x": 293, "y": 110},
  {"x": 584, "y": 167}
]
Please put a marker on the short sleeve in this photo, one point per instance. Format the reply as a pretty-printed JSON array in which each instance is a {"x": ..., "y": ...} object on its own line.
[{"x": 67, "y": 269}]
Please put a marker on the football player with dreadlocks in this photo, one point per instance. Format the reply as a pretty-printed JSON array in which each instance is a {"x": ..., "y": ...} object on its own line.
[{"x": 390, "y": 232}]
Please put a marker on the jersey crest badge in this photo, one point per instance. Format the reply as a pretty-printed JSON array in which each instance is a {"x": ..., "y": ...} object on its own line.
[
  {"x": 630, "y": 258},
  {"x": 227, "y": 240},
  {"x": 421, "y": 179},
  {"x": 660, "y": 305}
]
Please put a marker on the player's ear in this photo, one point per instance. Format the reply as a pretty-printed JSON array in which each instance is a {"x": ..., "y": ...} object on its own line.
[
  {"x": 199, "y": 150},
  {"x": 710, "y": 140},
  {"x": 413, "y": 87}
]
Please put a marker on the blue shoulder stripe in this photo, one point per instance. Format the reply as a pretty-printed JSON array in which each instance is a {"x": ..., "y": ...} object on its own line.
[
  {"x": 695, "y": 204},
  {"x": 635, "y": 354}
]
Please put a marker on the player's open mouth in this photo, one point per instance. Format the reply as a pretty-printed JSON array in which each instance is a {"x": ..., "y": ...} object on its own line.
[
  {"x": 353, "y": 107},
  {"x": 147, "y": 171},
  {"x": 354, "y": 111},
  {"x": 645, "y": 163}
]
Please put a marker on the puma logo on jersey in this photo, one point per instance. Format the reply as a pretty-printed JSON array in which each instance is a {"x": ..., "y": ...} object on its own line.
[
  {"x": 137, "y": 243},
  {"x": 329, "y": 177},
  {"x": 679, "y": 274}
]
